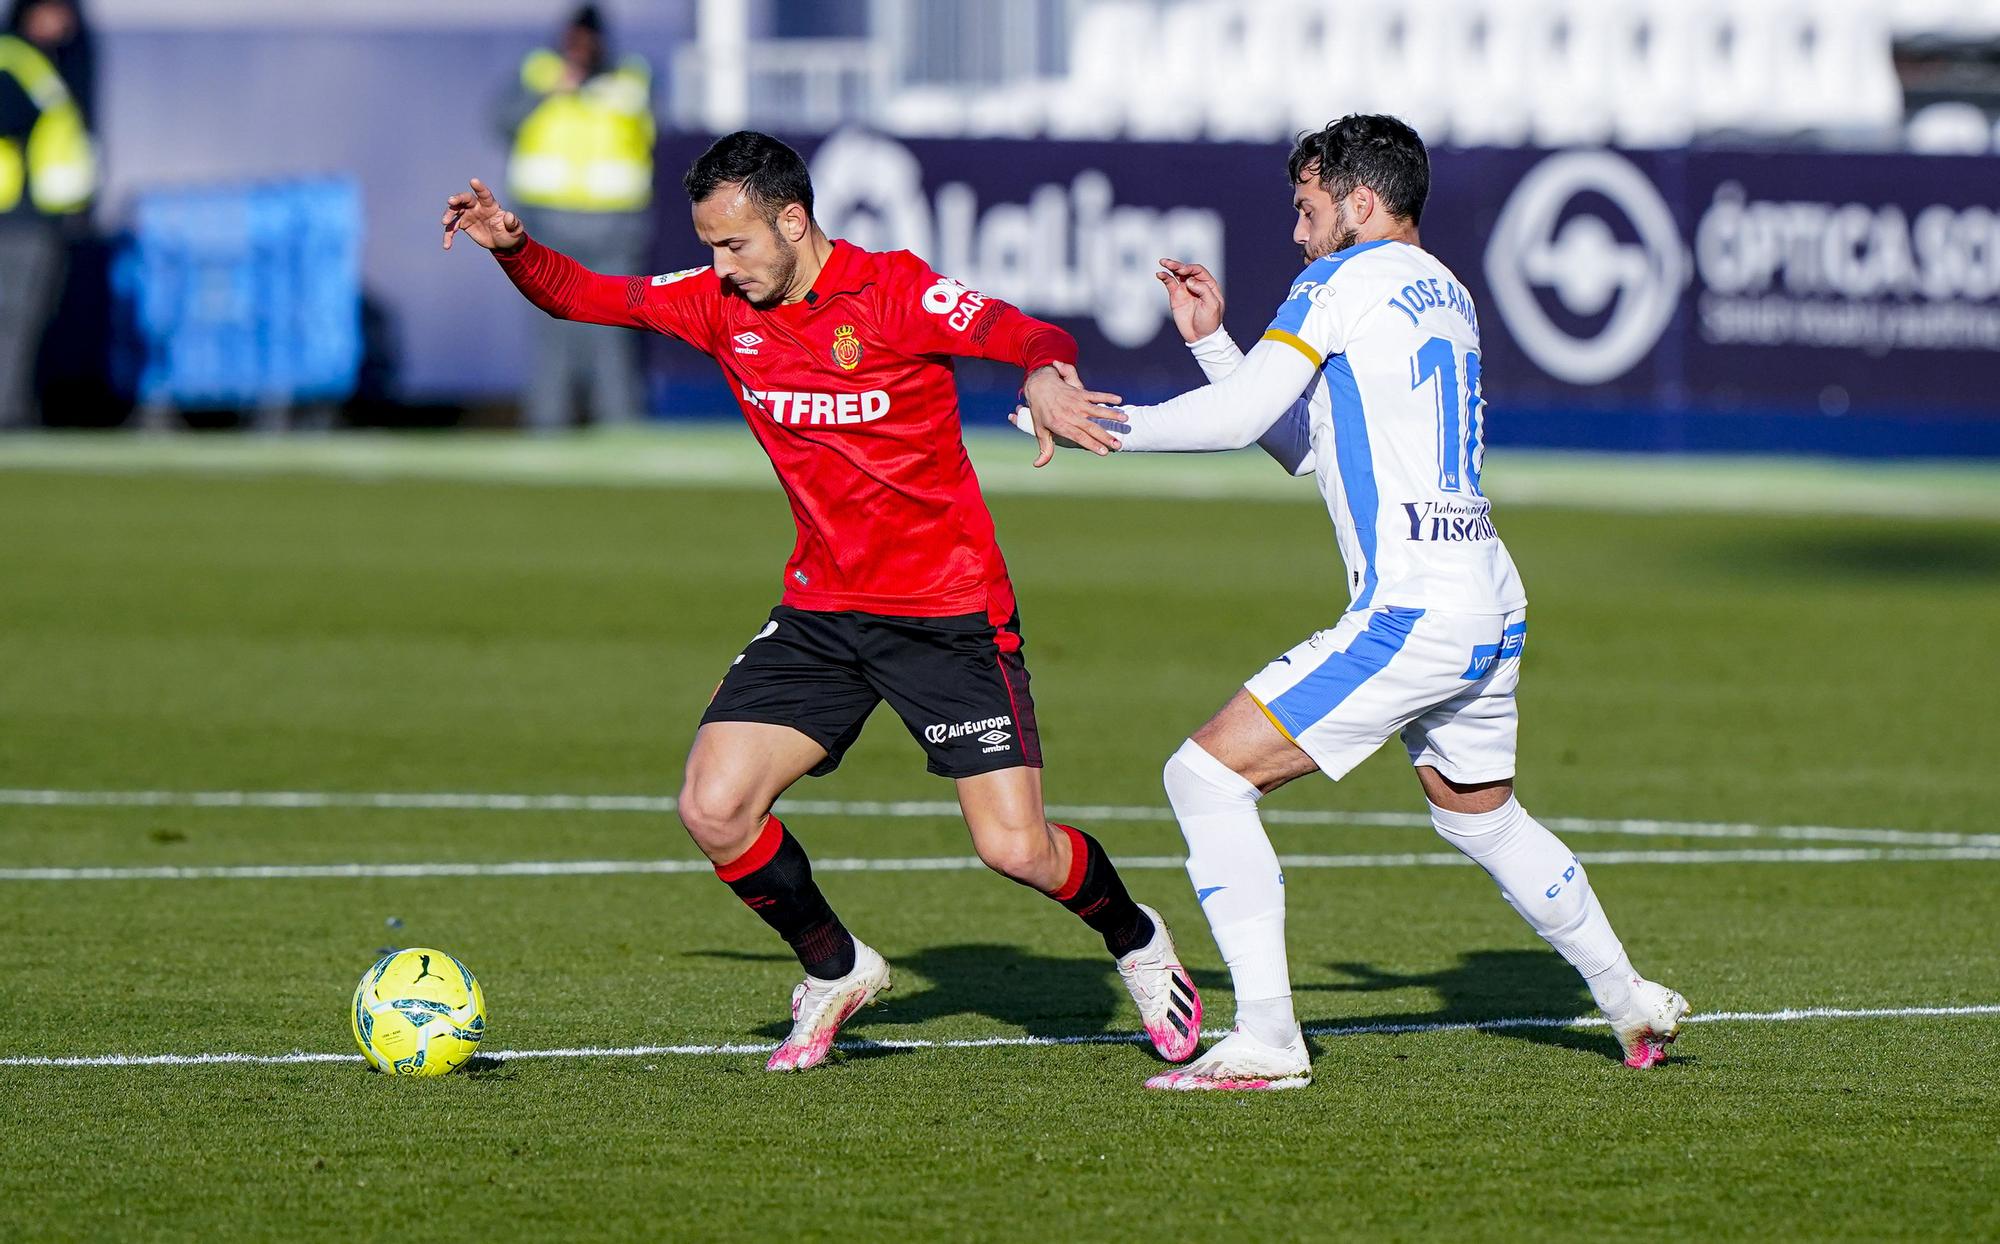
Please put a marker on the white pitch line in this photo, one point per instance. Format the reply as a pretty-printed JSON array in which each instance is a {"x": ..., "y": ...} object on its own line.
[
  {"x": 1785, "y": 1016},
  {"x": 930, "y": 809},
  {"x": 958, "y": 863}
]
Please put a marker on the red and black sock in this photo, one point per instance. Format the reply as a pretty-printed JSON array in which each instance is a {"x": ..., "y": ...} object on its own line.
[
  {"x": 774, "y": 879},
  {"x": 1095, "y": 893}
]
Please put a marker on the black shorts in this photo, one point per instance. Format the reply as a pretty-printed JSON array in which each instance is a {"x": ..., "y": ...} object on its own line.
[{"x": 958, "y": 683}]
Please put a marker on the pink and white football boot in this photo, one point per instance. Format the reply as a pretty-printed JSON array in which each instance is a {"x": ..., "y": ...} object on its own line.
[
  {"x": 1169, "y": 1004},
  {"x": 1649, "y": 1023},
  {"x": 820, "y": 1007},
  {"x": 1241, "y": 1063}
]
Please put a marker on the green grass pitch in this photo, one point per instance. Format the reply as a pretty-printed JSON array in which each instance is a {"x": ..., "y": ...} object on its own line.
[{"x": 188, "y": 633}]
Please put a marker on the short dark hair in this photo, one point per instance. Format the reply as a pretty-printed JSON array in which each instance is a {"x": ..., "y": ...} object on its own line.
[
  {"x": 772, "y": 174},
  {"x": 1372, "y": 150}
]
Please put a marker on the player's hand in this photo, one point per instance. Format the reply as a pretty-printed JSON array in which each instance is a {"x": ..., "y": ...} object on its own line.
[
  {"x": 479, "y": 216},
  {"x": 1194, "y": 296},
  {"x": 1023, "y": 420},
  {"x": 1060, "y": 406}
]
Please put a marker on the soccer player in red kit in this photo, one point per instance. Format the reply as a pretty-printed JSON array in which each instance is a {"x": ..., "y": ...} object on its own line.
[{"x": 896, "y": 590}]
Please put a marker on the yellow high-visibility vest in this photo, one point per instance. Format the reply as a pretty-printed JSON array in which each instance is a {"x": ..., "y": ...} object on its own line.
[
  {"x": 58, "y": 170},
  {"x": 587, "y": 150}
]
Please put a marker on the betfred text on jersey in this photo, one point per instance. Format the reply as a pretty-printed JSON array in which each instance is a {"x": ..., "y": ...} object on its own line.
[
  {"x": 818, "y": 408},
  {"x": 1450, "y": 521}
]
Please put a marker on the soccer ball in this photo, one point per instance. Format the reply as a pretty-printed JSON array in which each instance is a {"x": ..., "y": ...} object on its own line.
[{"x": 418, "y": 1012}]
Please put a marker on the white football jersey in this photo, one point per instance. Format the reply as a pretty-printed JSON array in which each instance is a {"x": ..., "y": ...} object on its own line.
[{"x": 1396, "y": 428}]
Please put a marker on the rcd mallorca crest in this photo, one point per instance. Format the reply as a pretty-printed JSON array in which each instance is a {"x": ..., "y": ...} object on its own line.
[{"x": 846, "y": 348}]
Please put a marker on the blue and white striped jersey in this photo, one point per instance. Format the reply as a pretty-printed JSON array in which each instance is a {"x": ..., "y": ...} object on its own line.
[{"x": 1369, "y": 377}]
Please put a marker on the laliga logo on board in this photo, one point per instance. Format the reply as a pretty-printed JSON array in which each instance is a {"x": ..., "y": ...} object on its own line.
[
  {"x": 1069, "y": 250},
  {"x": 1589, "y": 268}
]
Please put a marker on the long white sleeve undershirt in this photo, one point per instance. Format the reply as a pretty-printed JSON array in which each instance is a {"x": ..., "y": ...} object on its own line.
[
  {"x": 1217, "y": 353},
  {"x": 1249, "y": 395}
]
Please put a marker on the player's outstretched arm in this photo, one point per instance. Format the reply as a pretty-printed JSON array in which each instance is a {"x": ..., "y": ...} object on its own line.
[
  {"x": 1229, "y": 414},
  {"x": 548, "y": 278},
  {"x": 1060, "y": 411},
  {"x": 479, "y": 216},
  {"x": 1251, "y": 399},
  {"x": 1288, "y": 440},
  {"x": 1194, "y": 297},
  {"x": 937, "y": 315}
]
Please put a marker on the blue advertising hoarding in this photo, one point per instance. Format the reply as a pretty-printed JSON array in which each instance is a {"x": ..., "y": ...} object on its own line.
[{"x": 1665, "y": 300}]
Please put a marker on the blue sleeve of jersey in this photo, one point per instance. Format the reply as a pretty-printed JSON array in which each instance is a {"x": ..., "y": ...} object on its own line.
[
  {"x": 1289, "y": 440},
  {"x": 1291, "y": 317}
]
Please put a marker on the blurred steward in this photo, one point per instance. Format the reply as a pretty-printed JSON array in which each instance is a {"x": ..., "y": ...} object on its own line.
[
  {"x": 48, "y": 175},
  {"x": 581, "y": 174}
]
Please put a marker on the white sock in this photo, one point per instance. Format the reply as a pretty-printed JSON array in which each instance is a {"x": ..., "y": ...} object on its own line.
[
  {"x": 1611, "y": 989},
  {"x": 1238, "y": 882},
  {"x": 1270, "y": 1020},
  {"x": 1542, "y": 879}
]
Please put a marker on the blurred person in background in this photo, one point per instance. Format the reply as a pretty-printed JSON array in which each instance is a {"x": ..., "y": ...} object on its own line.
[
  {"x": 60, "y": 31},
  {"x": 48, "y": 175},
  {"x": 582, "y": 131}
]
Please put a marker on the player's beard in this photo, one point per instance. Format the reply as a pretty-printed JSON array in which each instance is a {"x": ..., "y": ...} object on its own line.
[
  {"x": 1340, "y": 235},
  {"x": 783, "y": 269}
]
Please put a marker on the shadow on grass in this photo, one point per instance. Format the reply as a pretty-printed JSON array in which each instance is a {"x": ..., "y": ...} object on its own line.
[
  {"x": 1483, "y": 985},
  {"x": 741, "y": 956},
  {"x": 1043, "y": 994},
  {"x": 1050, "y": 996},
  {"x": 1038, "y": 993},
  {"x": 1903, "y": 553},
  {"x": 487, "y": 1067}
]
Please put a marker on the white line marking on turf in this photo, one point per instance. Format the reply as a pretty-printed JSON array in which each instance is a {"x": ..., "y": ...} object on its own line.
[
  {"x": 958, "y": 863},
  {"x": 1786, "y": 1016},
  {"x": 917, "y": 808}
]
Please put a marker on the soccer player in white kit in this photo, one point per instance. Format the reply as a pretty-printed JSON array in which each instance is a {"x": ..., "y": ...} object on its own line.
[{"x": 1369, "y": 379}]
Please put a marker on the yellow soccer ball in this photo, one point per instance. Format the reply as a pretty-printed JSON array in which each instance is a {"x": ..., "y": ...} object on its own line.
[{"x": 418, "y": 1012}]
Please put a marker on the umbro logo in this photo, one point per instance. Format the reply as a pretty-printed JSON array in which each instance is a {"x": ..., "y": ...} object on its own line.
[{"x": 747, "y": 343}]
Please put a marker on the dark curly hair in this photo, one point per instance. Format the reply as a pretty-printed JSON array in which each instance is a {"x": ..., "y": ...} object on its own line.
[{"x": 1372, "y": 150}]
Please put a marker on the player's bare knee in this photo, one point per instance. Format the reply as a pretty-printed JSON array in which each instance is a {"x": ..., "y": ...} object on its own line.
[
  {"x": 717, "y": 816},
  {"x": 1472, "y": 798},
  {"x": 1024, "y": 854}
]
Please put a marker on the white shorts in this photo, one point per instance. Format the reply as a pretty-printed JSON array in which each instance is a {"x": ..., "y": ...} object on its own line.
[{"x": 1445, "y": 680}]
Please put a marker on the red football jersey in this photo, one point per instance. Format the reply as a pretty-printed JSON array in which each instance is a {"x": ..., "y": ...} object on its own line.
[{"x": 850, "y": 392}]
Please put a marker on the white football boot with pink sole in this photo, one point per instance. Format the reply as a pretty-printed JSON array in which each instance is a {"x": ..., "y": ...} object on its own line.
[
  {"x": 1649, "y": 1023},
  {"x": 820, "y": 1007},
  {"x": 1241, "y": 1063},
  {"x": 1169, "y": 1005}
]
